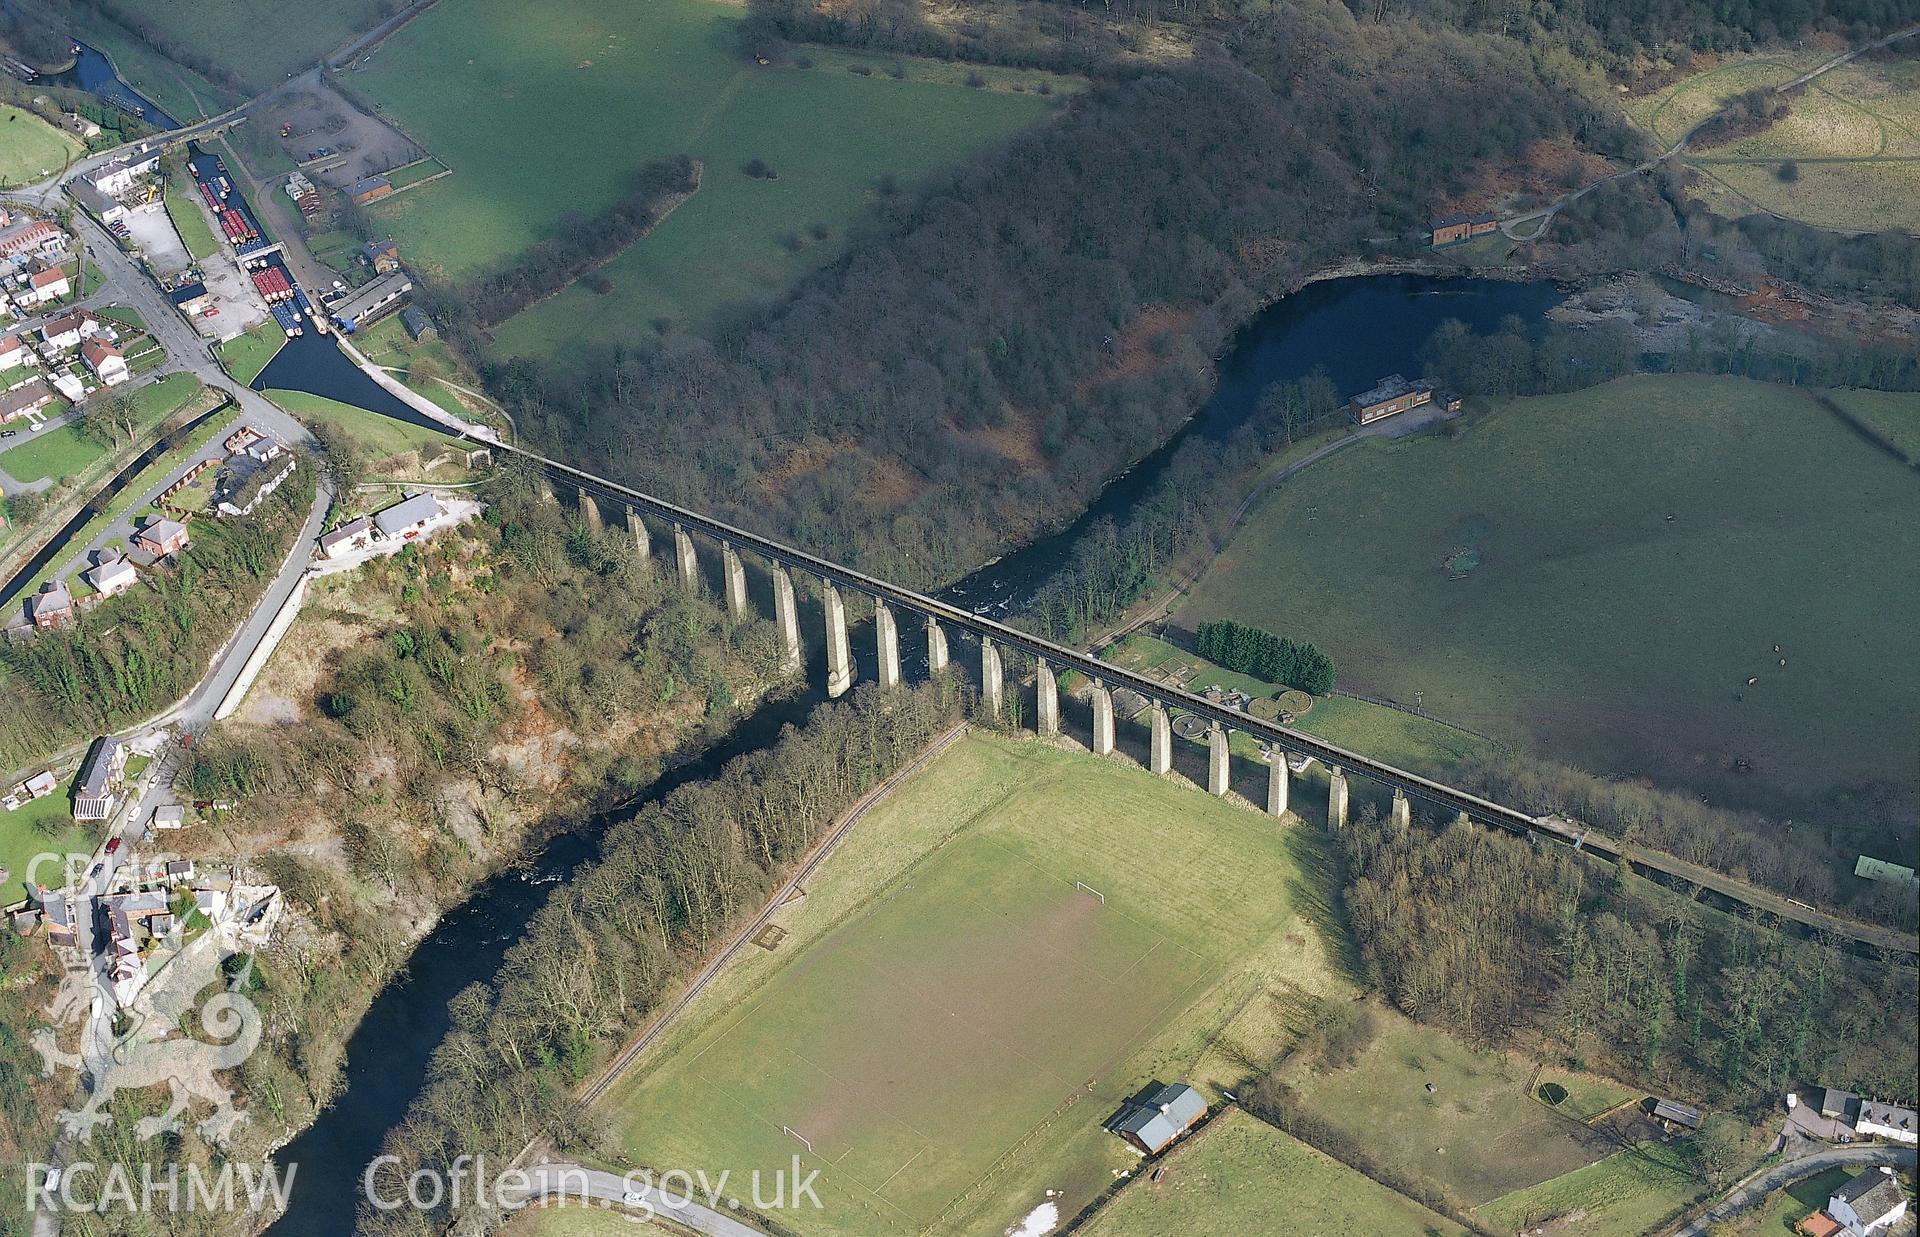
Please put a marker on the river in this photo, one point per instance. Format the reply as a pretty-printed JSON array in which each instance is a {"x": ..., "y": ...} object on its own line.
[{"x": 1357, "y": 329}]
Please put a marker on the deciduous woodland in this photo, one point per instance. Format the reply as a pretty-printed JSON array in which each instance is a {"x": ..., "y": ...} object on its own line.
[{"x": 955, "y": 383}]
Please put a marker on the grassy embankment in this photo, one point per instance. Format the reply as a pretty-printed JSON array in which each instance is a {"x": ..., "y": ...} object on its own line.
[
  {"x": 383, "y": 437},
  {"x": 229, "y": 32},
  {"x": 474, "y": 84},
  {"x": 1853, "y": 135},
  {"x": 180, "y": 91},
  {"x": 195, "y": 232},
  {"x": 1610, "y": 612},
  {"x": 244, "y": 356}
]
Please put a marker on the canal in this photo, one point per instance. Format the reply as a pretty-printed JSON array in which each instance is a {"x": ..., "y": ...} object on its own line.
[
  {"x": 94, "y": 73},
  {"x": 1356, "y": 329}
]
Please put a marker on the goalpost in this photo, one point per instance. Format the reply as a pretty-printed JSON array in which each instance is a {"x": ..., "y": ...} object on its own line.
[
  {"x": 1090, "y": 889},
  {"x": 798, "y": 1136}
]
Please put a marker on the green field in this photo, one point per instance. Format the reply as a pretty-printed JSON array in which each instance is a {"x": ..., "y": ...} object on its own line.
[
  {"x": 951, "y": 1018},
  {"x": 66, "y": 451},
  {"x": 1415, "y": 743},
  {"x": 1628, "y": 1193},
  {"x": 1854, "y": 133},
  {"x": 1894, "y": 415},
  {"x": 43, "y": 826},
  {"x": 1243, "y": 1176},
  {"x": 571, "y": 1221},
  {"x": 195, "y": 232},
  {"x": 229, "y": 32},
  {"x": 30, "y": 148},
  {"x": 1621, "y": 603},
  {"x": 244, "y": 356},
  {"x": 1478, "y": 1135},
  {"x": 478, "y": 85},
  {"x": 381, "y": 436}
]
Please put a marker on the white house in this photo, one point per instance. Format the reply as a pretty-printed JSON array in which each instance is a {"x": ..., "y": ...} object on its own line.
[
  {"x": 43, "y": 286},
  {"x": 118, "y": 174},
  {"x": 1887, "y": 1121},
  {"x": 115, "y": 576},
  {"x": 1870, "y": 1203},
  {"x": 13, "y": 353},
  {"x": 68, "y": 330},
  {"x": 107, "y": 362}
]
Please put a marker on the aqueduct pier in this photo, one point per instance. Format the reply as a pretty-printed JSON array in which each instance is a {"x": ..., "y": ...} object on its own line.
[{"x": 939, "y": 620}]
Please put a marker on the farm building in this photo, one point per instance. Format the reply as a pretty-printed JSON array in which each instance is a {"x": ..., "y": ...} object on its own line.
[
  {"x": 407, "y": 518},
  {"x": 418, "y": 325},
  {"x": 163, "y": 537},
  {"x": 353, "y": 535},
  {"x": 1390, "y": 395},
  {"x": 370, "y": 302},
  {"x": 1153, "y": 1119},
  {"x": 1452, "y": 229},
  {"x": 371, "y": 189},
  {"x": 97, "y": 790},
  {"x": 52, "y": 606},
  {"x": 1671, "y": 1114}
]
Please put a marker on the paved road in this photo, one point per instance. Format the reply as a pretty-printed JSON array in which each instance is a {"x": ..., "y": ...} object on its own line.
[
  {"x": 566, "y": 1181},
  {"x": 1754, "y": 1190},
  {"x": 125, "y": 284}
]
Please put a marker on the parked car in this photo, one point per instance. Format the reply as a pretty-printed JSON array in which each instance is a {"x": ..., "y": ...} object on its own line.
[
  {"x": 113, "y": 845},
  {"x": 8, "y": 433}
]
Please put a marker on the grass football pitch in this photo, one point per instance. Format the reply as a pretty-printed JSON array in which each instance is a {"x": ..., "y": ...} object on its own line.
[{"x": 953, "y": 1017}]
